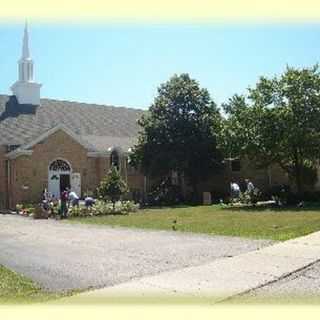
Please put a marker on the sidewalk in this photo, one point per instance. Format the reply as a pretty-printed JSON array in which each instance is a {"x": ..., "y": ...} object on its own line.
[{"x": 222, "y": 278}]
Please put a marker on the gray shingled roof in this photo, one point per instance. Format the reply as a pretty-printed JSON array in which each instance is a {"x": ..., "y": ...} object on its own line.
[{"x": 102, "y": 126}]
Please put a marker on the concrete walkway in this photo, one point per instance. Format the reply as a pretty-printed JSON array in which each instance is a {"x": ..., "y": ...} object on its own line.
[{"x": 225, "y": 277}]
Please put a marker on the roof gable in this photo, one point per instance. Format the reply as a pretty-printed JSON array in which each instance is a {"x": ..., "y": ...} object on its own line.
[
  {"x": 20, "y": 124},
  {"x": 26, "y": 149}
]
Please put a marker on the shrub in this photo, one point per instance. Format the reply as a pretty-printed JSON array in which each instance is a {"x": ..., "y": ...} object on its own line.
[
  {"x": 165, "y": 193},
  {"x": 311, "y": 196},
  {"x": 129, "y": 206},
  {"x": 283, "y": 195},
  {"x": 217, "y": 196},
  {"x": 251, "y": 197},
  {"x": 80, "y": 211},
  {"x": 102, "y": 208},
  {"x": 25, "y": 209},
  {"x": 112, "y": 186}
]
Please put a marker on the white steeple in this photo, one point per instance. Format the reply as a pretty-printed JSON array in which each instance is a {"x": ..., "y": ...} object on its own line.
[
  {"x": 25, "y": 48},
  {"x": 25, "y": 89}
]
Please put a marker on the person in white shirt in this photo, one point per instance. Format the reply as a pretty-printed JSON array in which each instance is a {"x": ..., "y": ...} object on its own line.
[
  {"x": 73, "y": 197},
  {"x": 235, "y": 190},
  {"x": 250, "y": 186}
]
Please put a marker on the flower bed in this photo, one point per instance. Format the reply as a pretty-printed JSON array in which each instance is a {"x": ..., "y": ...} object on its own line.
[{"x": 101, "y": 208}]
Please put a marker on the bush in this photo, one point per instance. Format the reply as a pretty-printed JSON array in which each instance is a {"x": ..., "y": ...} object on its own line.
[
  {"x": 112, "y": 186},
  {"x": 102, "y": 208},
  {"x": 80, "y": 211},
  {"x": 164, "y": 194},
  {"x": 251, "y": 197},
  {"x": 25, "y": 209},
  {"x": 311, "y": 196},
  {"x": 217, "y": 196},
  {"x": 283, "y": 195}
]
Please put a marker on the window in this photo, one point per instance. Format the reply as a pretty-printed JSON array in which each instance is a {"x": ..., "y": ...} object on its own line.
[
  {"x": 59, "y": 165},
  {"x": 12, "y": 147},
  {"x": 235, "y": 165}
]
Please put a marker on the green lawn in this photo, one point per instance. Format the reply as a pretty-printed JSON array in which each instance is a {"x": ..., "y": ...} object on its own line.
[
  {"x": 260, "y": 222},
  {"x": 15, "y": 288}
]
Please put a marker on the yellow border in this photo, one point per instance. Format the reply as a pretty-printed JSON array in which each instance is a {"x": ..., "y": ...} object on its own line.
[
  {"x": 162, "y": 11},
  {"x": 149, "y": 312},
  {"x": 174, "y": 11}
]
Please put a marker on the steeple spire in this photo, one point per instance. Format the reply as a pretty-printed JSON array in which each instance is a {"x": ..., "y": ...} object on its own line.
[
  {"x": 26, "y": 89},
  {"x": 25, "y": 48}
]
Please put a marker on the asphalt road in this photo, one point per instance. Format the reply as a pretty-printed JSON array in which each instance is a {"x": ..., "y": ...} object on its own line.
[{"x": 61, "y": 256}]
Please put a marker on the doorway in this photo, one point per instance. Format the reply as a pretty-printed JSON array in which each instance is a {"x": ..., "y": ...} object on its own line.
[
  {"x": 58, "y": 177},
  {"x": 64, "y": 182}
]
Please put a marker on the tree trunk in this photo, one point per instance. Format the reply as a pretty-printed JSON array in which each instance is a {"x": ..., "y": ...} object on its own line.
[
  {"x": 195, "y": 195},
  {"x": 297, "y": 174},
  {"x": 298, "y": 180}
]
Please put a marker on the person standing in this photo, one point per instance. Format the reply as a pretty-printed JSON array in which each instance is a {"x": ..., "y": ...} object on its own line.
[
  {"x": 64, "y": 200},
  {"x": 235, "y": 191},
  {"x": 250, "y": 186}
]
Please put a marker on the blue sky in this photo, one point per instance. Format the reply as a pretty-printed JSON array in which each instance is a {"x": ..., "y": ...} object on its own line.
[{"x": 124, "y": 64}]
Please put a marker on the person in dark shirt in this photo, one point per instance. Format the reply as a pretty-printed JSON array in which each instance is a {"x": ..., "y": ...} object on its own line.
[{"x": 64, "y": 200}]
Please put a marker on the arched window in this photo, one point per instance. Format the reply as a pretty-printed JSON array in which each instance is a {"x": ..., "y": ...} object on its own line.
[
  {"x": 115, "y": 159},
  {"x": 59, "y": 165}
]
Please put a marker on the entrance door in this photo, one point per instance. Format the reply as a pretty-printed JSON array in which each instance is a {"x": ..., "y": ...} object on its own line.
[
  {"x": 54, "y": 184},
  {"x": 76, "y": 183},
  {"x": 58, "y": 177},
  {"x": 64, "y": 182}
]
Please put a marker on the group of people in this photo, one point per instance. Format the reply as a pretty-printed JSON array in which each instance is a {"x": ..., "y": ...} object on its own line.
[
  {"x": 236, "y": 191},
  {"x": 68, "y": 198}
]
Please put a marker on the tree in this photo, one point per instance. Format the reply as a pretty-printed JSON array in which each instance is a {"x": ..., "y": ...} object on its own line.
[
  {"x": 179, "y": 132},
  {"x": 278, "y": 122},
  {"x": 112, "y": 186}
]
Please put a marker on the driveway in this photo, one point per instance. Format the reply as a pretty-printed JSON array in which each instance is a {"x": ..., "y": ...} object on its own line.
[{"x": 61, "y": 256}]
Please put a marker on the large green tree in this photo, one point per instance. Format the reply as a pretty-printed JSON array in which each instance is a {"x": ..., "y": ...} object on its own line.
[
  {"x": 179, "y": 132},
  {"x": 278, "y": 122}
]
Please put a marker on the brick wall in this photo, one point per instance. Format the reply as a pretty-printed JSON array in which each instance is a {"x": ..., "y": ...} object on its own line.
[
  {"x": 30, "y": 173},
  {"x": 3, "y": 180},
  {"x": 261, "y": 178}
]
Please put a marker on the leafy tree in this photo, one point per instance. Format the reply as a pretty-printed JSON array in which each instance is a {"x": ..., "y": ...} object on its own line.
[
  {"x": 278, "y": 122},
  {"x": 179, "y": 132},
  {"x": 112, "y": 186}
]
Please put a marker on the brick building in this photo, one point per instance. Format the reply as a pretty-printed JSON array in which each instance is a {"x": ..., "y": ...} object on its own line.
[{"x": 53, "y": 144}]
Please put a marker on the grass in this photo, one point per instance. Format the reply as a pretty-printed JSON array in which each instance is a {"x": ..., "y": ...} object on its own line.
[
  {"x": 15, "y": 288},
  {"x": 250, "y": 222}
]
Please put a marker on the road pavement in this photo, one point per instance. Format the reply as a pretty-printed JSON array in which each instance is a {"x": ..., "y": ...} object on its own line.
[{"x": 61, "y": 256}]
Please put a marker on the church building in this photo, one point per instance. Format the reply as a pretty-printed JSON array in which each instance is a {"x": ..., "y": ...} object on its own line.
[
  {"x": 46, "y": 143},
  {"x": 52, "y": 144}
]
